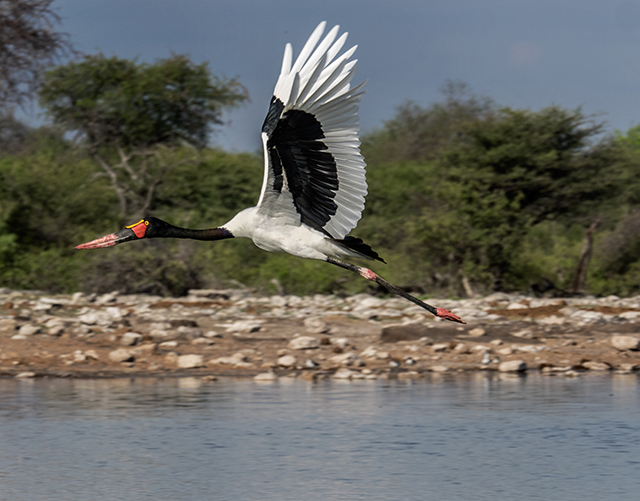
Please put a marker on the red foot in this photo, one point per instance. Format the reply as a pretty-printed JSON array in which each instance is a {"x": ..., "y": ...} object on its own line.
[
  {"x": 368, "y": 274},
  {"x": 447, "y": 315}
]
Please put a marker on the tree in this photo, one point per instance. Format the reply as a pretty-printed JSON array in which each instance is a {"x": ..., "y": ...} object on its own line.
[
  {"x": 28, "y": 45},
  {"x": 135, "y": 118}
]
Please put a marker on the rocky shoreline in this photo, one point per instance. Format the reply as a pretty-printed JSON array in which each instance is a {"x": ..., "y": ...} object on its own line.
[{"x": 212, "y": 333}]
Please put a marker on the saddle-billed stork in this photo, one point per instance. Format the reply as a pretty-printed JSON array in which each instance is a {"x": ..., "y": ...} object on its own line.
[{"x": 314, "y": 184}]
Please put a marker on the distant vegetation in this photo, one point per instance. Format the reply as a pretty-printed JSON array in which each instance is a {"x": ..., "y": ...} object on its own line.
[{"x": 465, "y": 196}]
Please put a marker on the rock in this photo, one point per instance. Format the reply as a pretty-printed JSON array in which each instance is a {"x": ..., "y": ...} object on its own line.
[
  {"x": 403, "y": 332},
  {"x": 25, "y": 375},
  {"x": 212, "y": 335},
  {"x": 440, "y": 368},
  {"x": 517, "y": 306},
  {"x": 243, "y": 326},
  {"x": 477, "y": 332},
  {"x": 315, "y": 325},
  {"x": 513, "y": 366},
  {"x": 266, "y": 377},
  {"x": 287, "y": 361},
  {"x": 505, "y": 351},
  {"x": 203, "y": 341},
  {"x": 90, "y": 318},
  {"x": 130, "y": 339},
  {"x": 440, "y": 347},
  {"x": 107, "y": 298},
  {"x": 593, "y": 365},
  {"x": 340, "y": 342},
  {"x": 622, "y": 343},
  {"x": 343, "y": 374},
  {"x": 630, "y": 315},
  {"x": 369, "y": 352},
  {"x": 114, "y": 313},
  {"x": 161, "y": 335},
  {"x": 29, "y": 330},
  {"x": 168, "y": 345},
  {"x": 629, "y": 367},
  {"x": 524, "y": 333},
  {"x": 209, "y": 378},
  {"x": 78, "y": 356},
  {"x": 344, "y": 358},
  {"x": 145, "y": 349},
  {"x": 121, "y": 355},
  {"x": 91, "y": 354},
  {"x": 190, "y": 361},
  {"x": 304, "y": 343}
]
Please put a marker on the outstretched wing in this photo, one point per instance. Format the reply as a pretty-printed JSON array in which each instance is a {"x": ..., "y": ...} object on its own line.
[{"x": 313, "y": 163}]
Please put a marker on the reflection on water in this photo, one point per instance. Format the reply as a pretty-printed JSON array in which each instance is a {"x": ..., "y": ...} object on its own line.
[{"x": 477, "y": 436}]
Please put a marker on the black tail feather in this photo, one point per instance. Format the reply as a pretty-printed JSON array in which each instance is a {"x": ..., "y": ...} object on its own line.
[{"x": 356, "y": 244}]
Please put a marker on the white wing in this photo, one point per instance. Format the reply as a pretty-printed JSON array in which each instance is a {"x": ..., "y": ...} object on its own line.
[{"x": 310, "y": 138}]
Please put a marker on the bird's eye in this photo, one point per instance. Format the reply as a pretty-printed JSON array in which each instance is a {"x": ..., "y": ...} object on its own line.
[{"x": 146, "y": 223}]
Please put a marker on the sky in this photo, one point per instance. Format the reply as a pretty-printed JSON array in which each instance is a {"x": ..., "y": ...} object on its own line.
[{"x": 521, "y": 53}]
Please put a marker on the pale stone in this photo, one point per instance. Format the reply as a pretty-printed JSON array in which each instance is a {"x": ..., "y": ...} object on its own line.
[
  {"x": 146, "y": 349},
  {"x": 29, "y": 330},
  {"x": 25, "y": 375},
  {"x": 188, "y": 332},
  {"x": 121, "y": 355},
  {"x": 343, "y": 374},
  {"x": 287, "y": 361},
  {"x": 78, "y": 356},
  {"x": 91, "y": 354},
  {"x": 505, "y": 351},
  {"x": 344, "y": 358},
  {"x": 525, "y": 333},
  {"x": 8, "y": 324},
  {"x": 513, "y": 366},
  {"x": 89, "y": 318},
  {"x": 593, "y": 365},
  {"x": 160, "y": 335},
  {"x": 266, "y": 377},
  {"x": 168, "y": 345},
  {"x": 622, "y": 342},
  {"x": 517, "y": 306},
  {"x": 243, "y": 326},
  {"x": 630, "y": 315},
  {"x": 552, "y": 320},
  {"x": 212, "y": 334},
  {"x": 114, "y": 313},
  {"x": 340, "y": 342},
  {"x": 315, "y": 325},
  {"x": 190, "y": 361},
  {"x": 477, "y": 332},
  {"x": 203, "y": 341},
  {"x": 440, "y": 368},
  {"x": 130, "y": 339},
  {"x": 369, "y": 352},
  {"x": 304, "y": 343},
  {"x": 440, "y": 347}
]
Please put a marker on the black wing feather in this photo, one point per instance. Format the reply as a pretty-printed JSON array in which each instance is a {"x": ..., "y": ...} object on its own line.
[{"x": 296, "y": 149}]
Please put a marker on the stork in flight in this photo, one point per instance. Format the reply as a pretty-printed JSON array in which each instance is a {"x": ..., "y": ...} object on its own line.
[{"x": 314, "y": 183}]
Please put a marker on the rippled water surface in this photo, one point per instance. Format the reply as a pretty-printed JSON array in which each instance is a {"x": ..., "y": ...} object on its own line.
[{"x": 469, "y": 437}]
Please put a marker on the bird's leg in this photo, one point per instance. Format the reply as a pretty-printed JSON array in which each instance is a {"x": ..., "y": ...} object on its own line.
[{"x": 370, "y": 275}]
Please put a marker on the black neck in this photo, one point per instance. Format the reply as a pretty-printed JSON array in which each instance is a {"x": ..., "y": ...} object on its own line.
[{"x": 166, "y": 230}]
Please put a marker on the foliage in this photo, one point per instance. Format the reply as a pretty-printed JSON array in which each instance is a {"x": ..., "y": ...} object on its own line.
[
  {"x": 498, "y": 202},
  {"x": 113, "y": 101},
  {"x": 134, "y": 117}
]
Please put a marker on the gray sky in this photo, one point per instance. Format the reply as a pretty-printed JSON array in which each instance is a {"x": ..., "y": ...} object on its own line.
[{"x": 521, "y": 53}]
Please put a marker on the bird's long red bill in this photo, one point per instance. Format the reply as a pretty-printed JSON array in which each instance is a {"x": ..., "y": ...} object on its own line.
[
  {"x": 110, "y": 240},
  {"x": 98, "y": 243}
]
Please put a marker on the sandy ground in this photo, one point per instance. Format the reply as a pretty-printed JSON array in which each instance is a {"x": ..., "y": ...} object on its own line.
[{"x": 214, "y": 333}]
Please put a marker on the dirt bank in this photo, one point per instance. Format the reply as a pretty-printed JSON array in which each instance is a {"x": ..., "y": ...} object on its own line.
[{"x": 232, "y": 332}]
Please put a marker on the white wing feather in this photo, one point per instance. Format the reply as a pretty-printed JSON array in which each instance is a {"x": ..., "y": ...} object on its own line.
[{"x": 319, "y": 82}]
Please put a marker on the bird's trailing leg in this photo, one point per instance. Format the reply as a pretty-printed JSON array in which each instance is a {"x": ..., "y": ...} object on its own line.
[{"x": 370, "y": 275}]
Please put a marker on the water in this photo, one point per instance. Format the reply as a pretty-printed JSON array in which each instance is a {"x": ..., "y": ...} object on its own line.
[{"x": 467, "y": 437}]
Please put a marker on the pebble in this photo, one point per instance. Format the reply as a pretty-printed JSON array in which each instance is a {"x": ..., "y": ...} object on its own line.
[
  {"x": 266, "y": 377},
  {"x": 287, "y": 361},
  {"x": 130, "y": 339},
  {"x": 168, "y": 345},
  {"x": 623, "y": 343},
  {"x": 304, "y": 343},
  {"x": 25, "y": 375},
  {"x": 593, "y": 365},
  {"x": 513, "y": 366},
  {"x": 29, "y": 330},
  {"x": 190, "y": 361},
  {"x": 121, "y": 355},
  {"x": 343, "y": 374},
  {"x": 477, "y": 332},
  {"x": 315, "y": 325}
]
